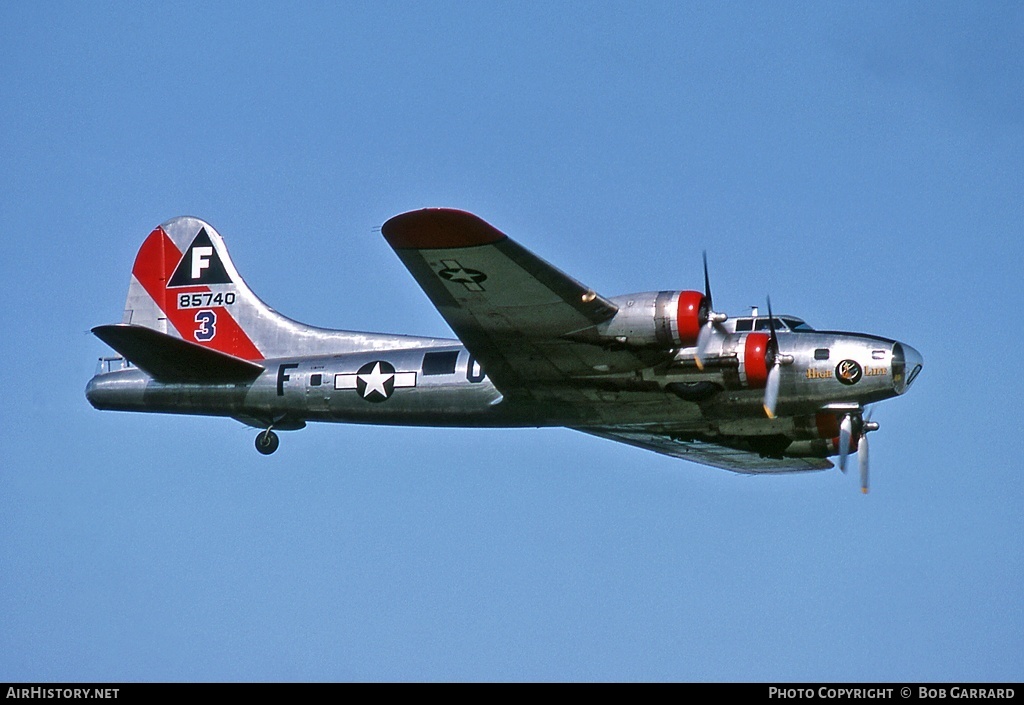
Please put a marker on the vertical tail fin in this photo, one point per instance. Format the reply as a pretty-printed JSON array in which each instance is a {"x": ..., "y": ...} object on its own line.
[{"x": 184, "y": 283}]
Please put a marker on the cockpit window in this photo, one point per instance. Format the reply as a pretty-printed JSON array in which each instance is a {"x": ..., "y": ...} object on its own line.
[
  {"x": 795, "y": 324},
  {"x": 762, "y": 324},
  {"x": 744, "y": 325}
]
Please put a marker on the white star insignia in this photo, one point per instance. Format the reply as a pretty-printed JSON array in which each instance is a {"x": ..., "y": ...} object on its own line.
[
  {"x": 375, "y": 381},
  {"x": 461, "y": 276}
]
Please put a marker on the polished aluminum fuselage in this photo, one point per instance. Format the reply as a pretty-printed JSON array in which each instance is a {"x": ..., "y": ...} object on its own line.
[
  {"x": 319, "y": 388},
  {"x": 419, "y": 392}
]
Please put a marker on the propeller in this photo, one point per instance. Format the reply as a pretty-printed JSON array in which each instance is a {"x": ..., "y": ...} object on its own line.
[
  {"x": 776, "y": 360},
  {"x": 713, "y": 323},
  {"x": 846, "y": 434}
]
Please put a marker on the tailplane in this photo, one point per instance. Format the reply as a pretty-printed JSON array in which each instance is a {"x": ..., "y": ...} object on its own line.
[{"x": 169, "y": 359}]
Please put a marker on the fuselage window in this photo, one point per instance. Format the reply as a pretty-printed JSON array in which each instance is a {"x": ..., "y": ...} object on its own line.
[
  {"x": 744, "y": 325},
  {"x": 440, "y": 363},
  {"x": 316, "y": 380},
  {"x": 821, "y": 354}
]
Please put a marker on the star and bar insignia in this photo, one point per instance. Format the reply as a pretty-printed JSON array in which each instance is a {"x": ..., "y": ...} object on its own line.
[
  {"x": 375, "y": 381},
  {"x": 455, "y": 272}
]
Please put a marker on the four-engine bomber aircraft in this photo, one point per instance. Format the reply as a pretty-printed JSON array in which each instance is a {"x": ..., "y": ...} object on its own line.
[{"x": 661, "y": 370}]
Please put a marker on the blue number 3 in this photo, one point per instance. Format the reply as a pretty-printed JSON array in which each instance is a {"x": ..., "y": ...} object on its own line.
[{"x": 207, "y": 321}]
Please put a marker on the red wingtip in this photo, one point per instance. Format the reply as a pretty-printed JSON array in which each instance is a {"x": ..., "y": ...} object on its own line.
[{"x": 439, "y": 228}]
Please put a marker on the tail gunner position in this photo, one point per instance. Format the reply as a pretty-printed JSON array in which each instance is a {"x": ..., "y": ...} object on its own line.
[{"x": 661, "y": 370}]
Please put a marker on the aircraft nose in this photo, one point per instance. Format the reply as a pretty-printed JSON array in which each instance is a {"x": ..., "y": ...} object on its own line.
[{"x": 906, "y": 365}]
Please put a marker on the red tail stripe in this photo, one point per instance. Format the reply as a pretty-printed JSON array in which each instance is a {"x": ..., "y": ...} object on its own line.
[{"x": 154, "y": 265}]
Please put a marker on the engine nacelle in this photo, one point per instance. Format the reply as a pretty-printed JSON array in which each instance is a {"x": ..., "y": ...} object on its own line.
[
  {"x": 742, "y": 359},
  {"x": 665, "y": 319}
]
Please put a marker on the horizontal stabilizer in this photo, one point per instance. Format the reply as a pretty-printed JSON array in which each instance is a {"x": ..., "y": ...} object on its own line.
[{"x": 170, "y": 359}]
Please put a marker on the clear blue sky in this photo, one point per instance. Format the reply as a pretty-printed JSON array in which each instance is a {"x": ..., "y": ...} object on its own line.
[{"x": 860, "y": 162}]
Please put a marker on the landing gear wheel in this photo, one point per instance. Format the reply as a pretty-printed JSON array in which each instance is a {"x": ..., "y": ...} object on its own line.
[{"x": 267, "y": 442}]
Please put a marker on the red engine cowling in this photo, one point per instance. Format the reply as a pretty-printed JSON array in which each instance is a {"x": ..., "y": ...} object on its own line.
[
  {"x": 818, "y": 436},
  {"x": 753, "y": 361},
  {"x": 690, "y": 316},
  {"x": 828, "y": 428}
]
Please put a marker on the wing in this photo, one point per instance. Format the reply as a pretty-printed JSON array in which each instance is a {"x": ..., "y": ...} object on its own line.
[
  {"x": 742, "y": 461},
  {"x": 519, "y": 316}
]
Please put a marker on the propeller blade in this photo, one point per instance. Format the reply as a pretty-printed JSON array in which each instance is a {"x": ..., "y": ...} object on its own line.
[
  {"x": 862, "y": 460},
  {"x": 712, "y": 320},
  {"x": 771, "y": 390},
  {"x": 707, "y": 330},
  {"x": 707, "y": 282},
  {"x": 771, "y": 387},
  {"x": 845, "y": 433},
  {"x": 703, "y": 340}
]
